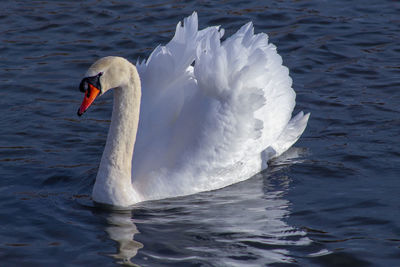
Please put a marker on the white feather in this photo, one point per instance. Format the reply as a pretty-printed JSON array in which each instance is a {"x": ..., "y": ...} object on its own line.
[
  {"x": 212, "y": 114},
  {"x": 206, "y": 126}
]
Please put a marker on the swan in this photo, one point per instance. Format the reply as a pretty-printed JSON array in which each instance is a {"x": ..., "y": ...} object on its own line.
[{"x": 212, "y": 114}]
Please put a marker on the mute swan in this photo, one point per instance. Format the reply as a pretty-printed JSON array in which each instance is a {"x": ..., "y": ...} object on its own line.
[{"x": 211, "y": 114}]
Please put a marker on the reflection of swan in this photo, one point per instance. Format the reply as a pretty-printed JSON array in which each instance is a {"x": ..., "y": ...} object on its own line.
[
  {"x": 245, "y": 224},
  {"x": 122, "y": 230},
  {"x": 211, "y": 115}
]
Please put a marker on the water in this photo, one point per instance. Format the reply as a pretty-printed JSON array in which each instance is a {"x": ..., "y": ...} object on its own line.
[{"x": 333, "y": 200}]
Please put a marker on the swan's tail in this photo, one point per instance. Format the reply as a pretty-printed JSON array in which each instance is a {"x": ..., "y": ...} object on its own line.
[{"x": 289, "y": 135}]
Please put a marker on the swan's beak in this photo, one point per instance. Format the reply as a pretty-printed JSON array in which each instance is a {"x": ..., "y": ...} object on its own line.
[{"x": 90, "y": 96}]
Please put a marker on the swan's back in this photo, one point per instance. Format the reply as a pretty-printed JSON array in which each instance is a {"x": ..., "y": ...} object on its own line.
[{"x": 212, "y": 114}]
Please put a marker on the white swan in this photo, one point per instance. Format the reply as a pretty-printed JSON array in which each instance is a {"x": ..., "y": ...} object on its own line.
[{"x": 211, "y": 114}]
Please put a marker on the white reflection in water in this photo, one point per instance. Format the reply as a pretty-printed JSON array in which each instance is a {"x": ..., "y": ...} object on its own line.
[
  {"x": 122, "y": 230},
  {"x": 241, "y": 224}
]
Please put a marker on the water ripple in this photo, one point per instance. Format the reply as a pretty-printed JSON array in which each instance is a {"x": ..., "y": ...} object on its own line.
[{"x": 334, "y": 205}]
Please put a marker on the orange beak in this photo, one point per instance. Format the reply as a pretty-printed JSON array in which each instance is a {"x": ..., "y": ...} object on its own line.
[{"x": 90, "y": 96}]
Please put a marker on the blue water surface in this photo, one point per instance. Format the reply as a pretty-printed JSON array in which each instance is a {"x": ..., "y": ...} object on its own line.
[{"x": 332, "y": 200}]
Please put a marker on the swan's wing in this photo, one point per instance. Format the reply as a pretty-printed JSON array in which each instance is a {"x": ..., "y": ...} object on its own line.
[
  {"x": 165, "y": 77},
  {"x": 249, "y": 74},
  {"x": 167, "y": 80},
  {"x": 241, "y": 110},
  {"x": 217, "y": 122}
]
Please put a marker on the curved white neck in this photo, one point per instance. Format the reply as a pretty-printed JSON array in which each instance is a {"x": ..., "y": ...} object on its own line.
[{"x": 114, "y": 178}]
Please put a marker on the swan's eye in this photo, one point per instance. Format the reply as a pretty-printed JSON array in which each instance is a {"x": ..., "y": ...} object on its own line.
[{"x": 85, "y": 86}]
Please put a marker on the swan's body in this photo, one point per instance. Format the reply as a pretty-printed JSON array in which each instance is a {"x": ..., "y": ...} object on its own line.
[{"x": 201, "y": 127}]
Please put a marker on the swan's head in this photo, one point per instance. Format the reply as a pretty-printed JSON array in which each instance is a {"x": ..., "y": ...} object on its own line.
[{"x": 105, "y": 74}]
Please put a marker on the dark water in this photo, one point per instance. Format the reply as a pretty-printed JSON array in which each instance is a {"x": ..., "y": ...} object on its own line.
[{"x": 335, "y": 204}]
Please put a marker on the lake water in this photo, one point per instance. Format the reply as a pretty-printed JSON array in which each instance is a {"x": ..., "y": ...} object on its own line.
[{"x": 332, "y": 200}]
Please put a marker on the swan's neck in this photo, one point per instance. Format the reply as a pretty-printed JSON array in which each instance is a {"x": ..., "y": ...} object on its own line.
[{"x": 114, "y": 178}]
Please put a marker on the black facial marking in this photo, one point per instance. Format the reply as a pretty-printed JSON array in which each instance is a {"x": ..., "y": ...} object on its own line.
[{"x": 93, "y": 80}]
